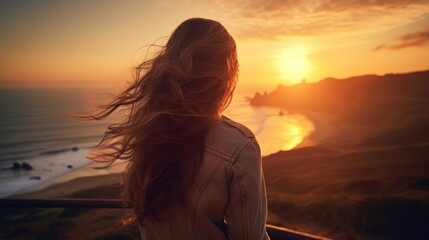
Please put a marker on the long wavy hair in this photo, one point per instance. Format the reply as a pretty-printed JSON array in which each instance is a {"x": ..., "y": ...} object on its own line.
[{"x": 170, "y": 105}]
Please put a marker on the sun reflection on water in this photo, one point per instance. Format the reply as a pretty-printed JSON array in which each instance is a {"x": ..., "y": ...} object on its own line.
[
  {"x": 283, "y": 132},
  {"x": 274, "y": 132}
]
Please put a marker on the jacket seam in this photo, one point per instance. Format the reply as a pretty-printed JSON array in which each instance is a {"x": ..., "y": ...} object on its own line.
[
  {"x": 244, "y": 203},
  {"x": 219, "y": 154},
  {"x": 201, "y": 188},
  {"x": 168, "y": 227},
  {"x": 165, "y": 228},
  {"x": 240, "y": 148},
  {"x": 235, "y": 154},
  {"x": 236, "y": 166}
]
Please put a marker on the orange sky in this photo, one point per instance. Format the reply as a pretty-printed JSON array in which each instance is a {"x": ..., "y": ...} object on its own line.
[{"x": 96, "y": 43}]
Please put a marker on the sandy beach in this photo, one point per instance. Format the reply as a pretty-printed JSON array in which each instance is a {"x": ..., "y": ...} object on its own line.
[
  {"x": 100, "y": 186},
  {"x": 90, "y": 176}
]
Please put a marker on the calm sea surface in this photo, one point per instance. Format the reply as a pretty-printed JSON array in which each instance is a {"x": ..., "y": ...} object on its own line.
[{"x": 32, "y": 122}]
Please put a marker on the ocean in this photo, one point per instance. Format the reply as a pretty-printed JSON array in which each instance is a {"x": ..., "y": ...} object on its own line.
[{"x": 34, "y": 130}]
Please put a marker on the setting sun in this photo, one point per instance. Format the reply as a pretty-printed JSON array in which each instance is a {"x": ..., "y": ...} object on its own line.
[{"x": 293, "y": 64}]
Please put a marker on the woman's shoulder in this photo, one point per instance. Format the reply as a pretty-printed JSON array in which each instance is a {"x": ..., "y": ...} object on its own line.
[
  {"x": 229, "y": 123},
  {"x": 228, "y": 128},
  {"x": 228, "y": 137}
]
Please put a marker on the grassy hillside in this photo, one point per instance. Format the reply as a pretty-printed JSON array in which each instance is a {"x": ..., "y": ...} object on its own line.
[{"x": 369, "y": 177}]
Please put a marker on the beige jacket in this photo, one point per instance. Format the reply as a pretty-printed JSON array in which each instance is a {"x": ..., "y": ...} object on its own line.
[{"x": 227, "y": 199}]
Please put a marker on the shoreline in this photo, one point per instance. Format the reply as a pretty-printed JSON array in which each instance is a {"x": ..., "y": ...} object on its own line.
[
  {"x": 86, "y": 177},
  {"x": 90, "y": 176}
]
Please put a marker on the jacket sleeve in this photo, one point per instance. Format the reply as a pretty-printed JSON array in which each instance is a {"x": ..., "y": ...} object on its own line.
[{"x": 246, "y": 213}]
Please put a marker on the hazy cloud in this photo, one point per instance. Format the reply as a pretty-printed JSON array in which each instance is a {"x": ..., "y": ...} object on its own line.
[
  {"x": 279, "y": 18},
  {"x": 415, "y": 39}
]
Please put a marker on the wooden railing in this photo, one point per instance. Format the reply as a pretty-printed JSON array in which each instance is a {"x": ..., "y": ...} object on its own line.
[{"x": 275, "y": 232}]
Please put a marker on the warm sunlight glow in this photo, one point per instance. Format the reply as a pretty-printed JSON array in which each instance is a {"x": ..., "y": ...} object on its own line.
[
  {"x": 293, "y": 64},
  {"x": 284, "y": 132}
]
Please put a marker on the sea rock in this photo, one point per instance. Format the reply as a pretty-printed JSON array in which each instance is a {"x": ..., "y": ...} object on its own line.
[
  {"x": 26, "y": 166},
  {"x": 35, "y": 178},
  {"x": 16, "y": 165},
  {"x": 69, "y": 166}
]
